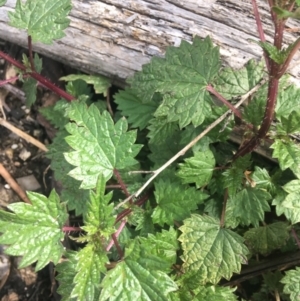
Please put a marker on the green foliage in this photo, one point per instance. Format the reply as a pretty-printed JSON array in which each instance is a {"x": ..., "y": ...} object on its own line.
[
  {"x": 99, "y": 145},
  {"x": 267, "y": 238},
  {"x": 291, "y": 282},
  {"x": 43, "y": 20},
  {"x": 209, "y": 250},
  {"x": 34, "y": 231},
  {"x": 190, "y": 226}
]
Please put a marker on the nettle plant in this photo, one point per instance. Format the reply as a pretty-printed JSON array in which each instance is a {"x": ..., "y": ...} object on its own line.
[{"x": 170, "y": 208}]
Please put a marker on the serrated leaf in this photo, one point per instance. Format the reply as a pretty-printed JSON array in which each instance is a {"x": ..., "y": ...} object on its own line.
[
  {"x": 30, "y": 84},
  {"x": 262, "y": 179},
  {"x": 287, "y": 153},
  {"x": 291, "y": 282},
  {"x": 267, "y": 238},
  {"x": 163, "y": 245},
  {"x": 99, "y": 144},
  {"x": 215, "y": 293},
  {"x": 175, "y": 201},
  {"x": 181, "y": 77},
  {"x": 78, "y": 88},
  {"x": 289, "y": 125},
  {"x": 137, "y": 112},
  {"x": 249, "y": 206},
  {"x": 234, "y": 176},
  {"x": 288, "y": 100},
  {"x": 66, "y": 273},
  {"x": 44, "y": 20},
  {"x": 34, "y": 231},
  {"x": 99, "y": 219},
  {"x": 277, "y": 55},
  {"x": 100, "y": 83},
  {"x": 232, "y": 83},
  {"x": 137, "y": 277},
  {"x": 287, "y": 207},
  {"x": 75, "y": 198},
  {"x": 209, "y": 250},
  {"x": 197, "y": 169},
  {"x": 160, "y": 129},
  {"x": 91, "y": 262}
]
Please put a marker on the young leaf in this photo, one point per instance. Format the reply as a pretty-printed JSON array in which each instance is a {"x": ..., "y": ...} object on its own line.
[
  {"x": 44, "y": 20},
  {"x": 262, "y": 180},
  {"x": 99, "y": 225},
  {"x": 99, "y": 218},
  {"x": 209, "y": 250},
  {"x": 30, "y": 84},
  {"x": 137, "y": 112},
  {"x": 175, "y": 201},
  {"x": 277, "y": 55},
  {"x": 181, "y": 77},
  {"x": 99, "y": 145},
  {"x": 100, "y": 83},
  {"x": 197, "y": 169},
  {"x": 291, "y": 282},
  {"x": 232, "y": 83},
  {"x": 34, "y": 231},
  {"x": 137, "y": 277},
  {"x": 249, "y": 205},
  {"x": 268, "y": 238},
  {"x": 66, "y": 272},
  {"x": 91, "y": 262}
]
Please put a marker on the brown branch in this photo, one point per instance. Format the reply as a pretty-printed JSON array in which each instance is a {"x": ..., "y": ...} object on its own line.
[{"x": 13, "y": 184}]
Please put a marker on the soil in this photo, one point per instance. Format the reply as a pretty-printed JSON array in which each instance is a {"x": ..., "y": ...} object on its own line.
[{"x": 30, "y": 168}]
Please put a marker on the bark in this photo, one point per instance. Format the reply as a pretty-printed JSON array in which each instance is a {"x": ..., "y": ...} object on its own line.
[{"x": 116, "y": 37}]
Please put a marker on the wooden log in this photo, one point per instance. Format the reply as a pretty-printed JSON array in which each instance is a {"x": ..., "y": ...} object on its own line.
[{"x": 116, "y": 37}]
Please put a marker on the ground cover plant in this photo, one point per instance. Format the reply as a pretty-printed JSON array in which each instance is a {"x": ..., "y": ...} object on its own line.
[{"x": 171, "y": 209}]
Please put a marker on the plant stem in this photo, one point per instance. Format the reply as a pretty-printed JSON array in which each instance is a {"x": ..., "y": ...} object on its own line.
[
  {"x": 39, "y": 78},
  {"x": 121, "y": 182},
  {"x": 222, "y": 219},
  {"x": 30, "y": 53}
]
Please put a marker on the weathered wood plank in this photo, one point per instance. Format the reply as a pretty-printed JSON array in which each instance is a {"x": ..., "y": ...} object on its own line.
[{"x": 115, "y": 37}]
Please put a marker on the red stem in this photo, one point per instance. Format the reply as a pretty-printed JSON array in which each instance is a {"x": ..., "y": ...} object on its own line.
[
  {"x": 210, "y": 89},
  {"x": 30, "y": 53},
  {"x": 122, "y": 184},
  {"x": 39, "y": 78}
]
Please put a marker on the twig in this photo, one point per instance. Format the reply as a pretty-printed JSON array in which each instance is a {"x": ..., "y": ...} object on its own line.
[
  {"x": 13, "y": 184},
  {"x": 23, "y": 135},
  {"x": 116, "y": 234}
]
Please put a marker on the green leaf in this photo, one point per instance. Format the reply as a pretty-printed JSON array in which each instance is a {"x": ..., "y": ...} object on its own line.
[
  {"x": 99, "y": 145},
  {"x": 78, "y": 88},
  {"x": 279, "y": 56},
  {"x": 30, "y": 84},
  {"x": 137, "y": 112},
  {"x": 66, "y": 273},
  {"x": 287, "y": 204},
  {"x": 100, "y": 83},
  {"x": 210, "y": 251},
  {"x": 291, "y": 282},
  {"x": 289, "y": 125},
  {"x": 249, "y": 205},
  {"x": 137, "y": 277},
  {"x": 160, "y": 130},
  {"x": 215, "y": 293},
  {"x": 234, "y": 176},
  {"x": 44, "y": 20},
  {"x": 268, "y": 238},
  {"x": 75, "y": 198},
  {"x": 197, "y": 169},
  {"x": 175, "y": 201},
  {"x": 232, "y": 83},
  {"x": 287, "y": 153},
  {"x": 34, "y": 231},
  {"x": 288, "y": 100},
  {"x": 2, "y": 2},
  {"x": 181, "y": 77},
  {"x": 99, "y": 219},
  {"x": 91, "y": 262},
  {"x": 262, "y": 179}
]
